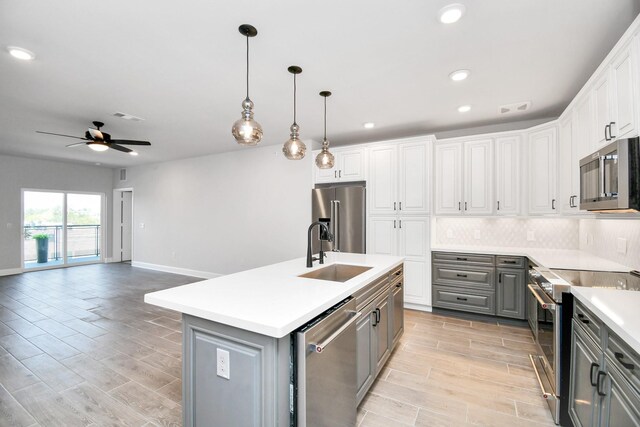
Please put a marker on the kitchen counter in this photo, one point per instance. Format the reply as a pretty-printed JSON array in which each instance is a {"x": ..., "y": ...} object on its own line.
[
  {"x": 617, "y": 309},
  {"x": 567, "y": 259},
  {"x": 271, "y": 300}
]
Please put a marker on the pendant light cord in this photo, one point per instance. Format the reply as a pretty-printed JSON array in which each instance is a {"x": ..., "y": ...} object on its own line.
[
  {"x": 247, "y": 67},
  {"x": 294, "y": 99},
  {"x": 325, "y": 118}
]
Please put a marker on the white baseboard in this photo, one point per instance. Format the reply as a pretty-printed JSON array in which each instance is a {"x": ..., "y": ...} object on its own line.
[
  {"x": 175, "y": 270},
  {"x": 419, "y": 307},
  {"x": 108, "y": 260},
  {"x": 10, "y": 271}
]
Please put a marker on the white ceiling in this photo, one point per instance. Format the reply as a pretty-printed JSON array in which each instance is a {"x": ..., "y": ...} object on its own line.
[{"x": 180, "y": 65}]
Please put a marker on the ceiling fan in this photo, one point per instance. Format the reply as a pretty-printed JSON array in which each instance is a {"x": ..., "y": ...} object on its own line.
[{"x": 101, "y": 141}]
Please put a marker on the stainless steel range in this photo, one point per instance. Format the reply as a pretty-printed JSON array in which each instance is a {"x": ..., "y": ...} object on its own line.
[{"x": 550, "y": 308}]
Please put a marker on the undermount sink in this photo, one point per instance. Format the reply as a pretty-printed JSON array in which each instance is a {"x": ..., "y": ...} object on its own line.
[{"x": 336, "y": 272}]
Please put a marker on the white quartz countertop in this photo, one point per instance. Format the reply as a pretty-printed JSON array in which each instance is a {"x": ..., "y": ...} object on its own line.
[
  {"x": 271, "y": 300},
  {"x": 616, "y": 308},
  {"x": 566, "y": 259}
]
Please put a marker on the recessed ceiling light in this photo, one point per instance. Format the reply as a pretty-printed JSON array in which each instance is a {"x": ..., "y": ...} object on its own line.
[
  {"x": 20, "y": 53},
  {"x": 98, "y": 164},
  {"x": 451, "y": 13},
  {"x": 464, "y": 108},
  {"x": 459, "y": 75},
  {"x": 369, "y": 125},
  {"x": 133, "y": 153}
]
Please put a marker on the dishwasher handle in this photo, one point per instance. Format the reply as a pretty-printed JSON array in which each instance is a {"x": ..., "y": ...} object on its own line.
[{"x": 319, "y": 348}]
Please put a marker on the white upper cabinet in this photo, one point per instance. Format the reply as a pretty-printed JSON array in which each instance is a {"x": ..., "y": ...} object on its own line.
[
  {"x": 399, "y": 178},
  {"x": 568, "y": 172},
  {"x": 478, "y": 177},
  {"x": 448, "y": 179},
  {"x": 349, "y": 165},
  {"x": 615, "y": 97},
  {"x": 542, "y": 171},
  {"x": 508, "y": 172},
  {"x": 464, "y": 177}
]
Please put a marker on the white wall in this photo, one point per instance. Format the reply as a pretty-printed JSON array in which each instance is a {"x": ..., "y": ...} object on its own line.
[
  {"x": 17, "y": 173},
  {"x": 221, "y": 213},
  {"x": 600, "y": 237}
]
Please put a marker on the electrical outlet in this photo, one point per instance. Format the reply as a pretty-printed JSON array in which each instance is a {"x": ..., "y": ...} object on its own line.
[
  {"x": 142, "y": 225},
  {"x": 9, "y": 225},
  {"x": 477, "y": 235},
  {"x": 173, "y": 255},
  {"x": 449, "y": 233},
  {"x": 589, "y": 239},
  {"x": 621, "y": 244},
  {"x": 531, "y": 235},
  {"x": 222, "y": 366}
]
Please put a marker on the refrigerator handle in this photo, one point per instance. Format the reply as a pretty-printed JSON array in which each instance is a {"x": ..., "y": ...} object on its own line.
[{"x": 335, "y": 220}]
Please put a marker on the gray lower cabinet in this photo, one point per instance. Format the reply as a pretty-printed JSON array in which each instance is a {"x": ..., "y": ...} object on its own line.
[
  {"x": 366, "y": 364},
  {"x": 396, "y": 299},
  {"x": 604, "y": 390},
  {"x": 381, "y": 331},
  {"x": 510, "y": 293}
]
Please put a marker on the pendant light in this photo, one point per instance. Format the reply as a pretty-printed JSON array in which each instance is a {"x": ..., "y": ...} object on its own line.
[
  {"x": 247, "y": 131},
  {"x": 324, "y": 159},
  {"x": 294, "y": 149}
]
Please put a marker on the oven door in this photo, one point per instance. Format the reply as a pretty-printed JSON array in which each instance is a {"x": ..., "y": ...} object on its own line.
[{"x": 547, "y": 338}]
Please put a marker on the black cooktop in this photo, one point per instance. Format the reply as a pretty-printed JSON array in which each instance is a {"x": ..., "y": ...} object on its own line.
[{"x": 601, "y": 279}]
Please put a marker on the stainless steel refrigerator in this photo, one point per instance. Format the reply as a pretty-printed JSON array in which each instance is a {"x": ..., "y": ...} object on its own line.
[{"x": 343, "y": 209}]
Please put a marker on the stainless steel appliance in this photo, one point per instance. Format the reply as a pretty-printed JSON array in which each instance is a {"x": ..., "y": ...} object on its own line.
[
  {"x": 343, "y": 208},
  {"x": 550, "y": 309},
  {"x": 324, "y": 380},
  {"x": 610, "y": 178}
]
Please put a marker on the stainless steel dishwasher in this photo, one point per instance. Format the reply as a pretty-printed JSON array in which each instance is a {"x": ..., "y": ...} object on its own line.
[{"x": 323, "y": 387}]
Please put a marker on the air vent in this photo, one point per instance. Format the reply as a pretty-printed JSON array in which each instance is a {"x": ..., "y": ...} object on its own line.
[
  {"x": 126, "y": 116},
  {"x": 123, "y": 174},
  {"x": 518, "y": 107}
]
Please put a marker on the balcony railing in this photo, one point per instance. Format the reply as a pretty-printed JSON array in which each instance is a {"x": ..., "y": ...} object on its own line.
[{"x": 82, "y": 241}]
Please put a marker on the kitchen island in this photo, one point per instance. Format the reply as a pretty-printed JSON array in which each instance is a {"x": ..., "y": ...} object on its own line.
[{"x": 237, "y": 335}]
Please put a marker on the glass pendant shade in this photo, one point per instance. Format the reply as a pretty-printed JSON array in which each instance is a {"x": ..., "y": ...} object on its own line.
[
  {"x": 324, "y": 159},
  {"x": 294, "y": 149},
  {"x": 245, "y": 130}
]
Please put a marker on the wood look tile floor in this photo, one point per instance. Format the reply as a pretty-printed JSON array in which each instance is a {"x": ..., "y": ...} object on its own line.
[{"x": 78, "y": 346}]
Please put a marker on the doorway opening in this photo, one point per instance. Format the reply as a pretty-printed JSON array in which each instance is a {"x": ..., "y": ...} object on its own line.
[
  {"x": 123, "y": 225},
  {"x": 61, "y": 228}
]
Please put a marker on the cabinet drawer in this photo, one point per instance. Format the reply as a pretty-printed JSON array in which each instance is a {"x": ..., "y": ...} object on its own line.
[
  {"x": 589, "y": 322},
  {"x": 510, "y": 261},
  {"x": 472, "y": 276},
  {"x": 464, "y": 300},
  {"x": 395, "y": 274},
  {"x": 621, "y": 354},
  {"x": 451, "y": 257}
]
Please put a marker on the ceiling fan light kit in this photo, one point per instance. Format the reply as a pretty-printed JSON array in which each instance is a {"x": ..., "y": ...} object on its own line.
[
  {"x": 294, "y": 148},
  {"x": 246, "y": 130}
]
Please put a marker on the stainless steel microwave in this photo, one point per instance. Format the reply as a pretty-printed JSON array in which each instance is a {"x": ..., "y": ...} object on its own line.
[{"x": 610, "y": 178}]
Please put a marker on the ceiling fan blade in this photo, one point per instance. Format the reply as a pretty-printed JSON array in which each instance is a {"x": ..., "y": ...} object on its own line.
[
  {"x": 120, "y": 148},
  {"x": 59, "y": 134},
  {"x": 129, "y": 142},
  {"x": 76, "y": 144}
]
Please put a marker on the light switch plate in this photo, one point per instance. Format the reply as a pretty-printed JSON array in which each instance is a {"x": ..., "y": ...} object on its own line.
[
  {"x": 531, "y": 235},
  {"x": 449, "y": 233},
  {"x": 222, "y": 365},
  {"x": 621, "y": 244},
  {"x": 477, "y": 235}
]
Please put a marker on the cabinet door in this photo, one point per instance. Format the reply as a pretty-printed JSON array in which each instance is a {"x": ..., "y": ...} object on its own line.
[
  {"x": 448, "y": 177},
  {"x": 585, "y": 364},
  {"x": 413, "y": 161},
  {"x": 510, "y": 293},
  {"x": 397, "y": 303},
  {"x": 325, "y": 175},
  {"x": 364, "y": 359},
  {"x": 602, "y": 98},
  {"x": 569, "y": 169},
  {"x": 351, "y": 165},
  {"x": 624, "y": 93},
  {"x": 383, "y": 180},
  {"x": 478, "y": 177},
  {"x": 414, "y": 246},
  {"x": 381, "y": 329},
  {"x": 621, "y": 405},
  {"x": 508, "y": 171},
  {"x": 584, "y": 127},
  {"x": 382, "y": 236},
  {"x": 542, "y": 172}
]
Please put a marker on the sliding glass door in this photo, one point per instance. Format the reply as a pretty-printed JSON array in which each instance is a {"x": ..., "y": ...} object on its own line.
[{"x": 61, "y": 228}]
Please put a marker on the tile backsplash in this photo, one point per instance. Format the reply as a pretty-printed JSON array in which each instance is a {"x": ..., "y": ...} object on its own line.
[
  {"x": 614, "y": 239},
  {"x": 551, "y": 233}
]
